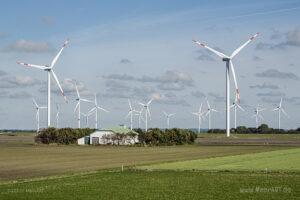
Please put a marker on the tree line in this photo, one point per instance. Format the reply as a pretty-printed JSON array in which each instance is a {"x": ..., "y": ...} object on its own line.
[{"x": 262, "y": 129}]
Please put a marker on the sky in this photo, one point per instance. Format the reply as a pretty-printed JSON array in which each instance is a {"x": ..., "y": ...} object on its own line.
[{"x": 141, "y": 49}]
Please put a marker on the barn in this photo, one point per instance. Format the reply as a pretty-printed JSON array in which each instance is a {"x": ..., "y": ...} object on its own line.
[{"x": 115, "y": 136}]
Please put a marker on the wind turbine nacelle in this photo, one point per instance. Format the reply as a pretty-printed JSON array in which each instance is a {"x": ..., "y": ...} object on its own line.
[{"x": 226, "y": 59}]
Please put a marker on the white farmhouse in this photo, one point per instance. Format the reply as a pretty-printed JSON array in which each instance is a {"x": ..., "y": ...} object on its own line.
[{"x": 114, "y": 136}]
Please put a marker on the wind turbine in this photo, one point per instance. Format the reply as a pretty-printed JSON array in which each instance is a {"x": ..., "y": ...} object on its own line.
[
  {"x": 86, "y": 115},
  {"x": 49, "y": 70},
  {"x": 209, "y": 110},
  {"x": 235, "y": 105},
  {"x": 200, "y": 115},
  {"x": 257, "y": 115},
  {"x": 168, "y": 118},
  {"x": 57, "y": 115},
  {"x": 147, "y": 112},
  {"x": 95, "y": 109},
  {"x": 139, "y": 114},
  {"x": 229, "y": 65},
  {"x": 37, "y": 115},
  {"x": 280, "y": 109},
  {"x": 130, "y": 113},
  {"x": 77, "y": 107}
]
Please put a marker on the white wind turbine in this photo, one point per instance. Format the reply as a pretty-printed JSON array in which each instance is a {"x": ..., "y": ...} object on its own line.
[
  {"x": 280, "y": 109},
  {"x": 168, "y": 116},
  {"x": 49, "y": 70},
  {"x": 95, "y": 109},
  {"x": 86, "y": 115},
  {"x": 229, "y": 65},
  {"x": 37, "y": 115},
  {"x": 200, "y": 115},
  {"x": 130, "y": 113},
  {"x": 77, "y": 107},
  {"x": 209, "y": 110},
  {"x": 235, "y": 105},
  {"x": 57, "y": 115},
  {"x": 147, "y": 112},
  {"x": 257, "y": 114},
  {"x": 140, "y": 117}
]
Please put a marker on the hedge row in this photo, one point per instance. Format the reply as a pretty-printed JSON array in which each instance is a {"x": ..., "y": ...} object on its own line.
[
  {"x": 62, "y": 136},
  {"x": 173, "y": 136},
  {"x": 262, "y": 129}
]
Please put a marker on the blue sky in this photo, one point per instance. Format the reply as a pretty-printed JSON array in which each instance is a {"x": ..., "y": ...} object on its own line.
[{"x": 139, "y": 49}]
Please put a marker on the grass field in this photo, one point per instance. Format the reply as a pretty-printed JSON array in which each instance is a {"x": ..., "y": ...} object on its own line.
[
  {"x": 30, "y": 171},
  {"x": 158, "y": 185},
  {"x": 20, "y": 158},
  {"x": 281, "y": 160}
]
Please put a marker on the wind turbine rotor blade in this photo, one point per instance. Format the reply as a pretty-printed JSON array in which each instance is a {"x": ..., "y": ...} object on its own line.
[
  {"x": 128, "y": 115},
  {"x": 280, "y": 103},
  {"x": 245, "y": 44},
  {"x": 148, "y": 111},
  {"x": 240, "y": 107},
  {"x": 207, "y": 113},
  {"x": 43, "y": 107},
  {"x": 43, "y": 67},
  {"x": 78, "y": 95},
  {"x": 102, "y": 109},
  {"x": 165, "y": 113},
  {"x": 59, "y": 86},
  {"x": 129, "y": 103},
  {"x": 283, "y": 111},
  {"x": 214, "y": 110},
  {"x": 34, "y": 102},
  {"x": 235, "y": 81},
  {"x": 76, "y": 107},
  {"x": 211, "y": 49},
  {"x": 208, "y": 105},
  {"x": 200, "y": 108},
  {"x": 149, "y": 102},
  {"x": 85, "y": 100},
  {"x": 91, "y": 111},
  {"x": 58, "y": 54}
]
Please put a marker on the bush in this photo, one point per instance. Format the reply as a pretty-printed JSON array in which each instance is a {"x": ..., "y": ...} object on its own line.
[{"x": 61, "y": 136}]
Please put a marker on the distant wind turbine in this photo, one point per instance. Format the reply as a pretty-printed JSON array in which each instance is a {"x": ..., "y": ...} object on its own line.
[
  {"x": 37, "y": 115},
  {"x": 49, "y": 70},
  {"x": 57, "y": 115},
  {"x": 257, "y": 115},
  {"x": 77, "y": 107},
  {"x": 168, "y": 116},
  {"x": 209, "y": 110},
  {"x": 95, "y": 109},
  {"x": 130, "y": 113},
  {"x": 280, "y": 109},
  {"x": 235, "y": 105},
  {"x": 229, "y": 65},
  {"x": 200, "y": 116},
  {"x": 86, "y": 115},
  {"x": 147, "y": 112}
]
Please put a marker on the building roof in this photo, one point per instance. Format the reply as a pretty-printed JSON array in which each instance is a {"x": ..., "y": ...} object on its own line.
[{"x": 119, "y": 129}]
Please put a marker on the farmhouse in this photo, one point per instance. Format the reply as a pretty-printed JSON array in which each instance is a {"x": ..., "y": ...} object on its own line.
[{"x": 115, "y": 136}]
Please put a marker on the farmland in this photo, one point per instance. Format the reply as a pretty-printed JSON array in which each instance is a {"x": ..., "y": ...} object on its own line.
[{"x": 206, "y": 170}]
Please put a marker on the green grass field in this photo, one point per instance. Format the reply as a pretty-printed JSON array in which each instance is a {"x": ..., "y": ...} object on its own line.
[
  {"x": 30, "y": 171},
  {"x": 281, "y": 160},
  {"x": 157, "y": 185}
]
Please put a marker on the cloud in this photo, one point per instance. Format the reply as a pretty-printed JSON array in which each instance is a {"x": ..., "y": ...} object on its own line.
[
  {"x": 68, "y": 86},
  {"x": 115, "y": 85},
  {"x": 265, "y": 86},
  {"x": 290, "y": 38},
  {"x": 257, "y": 58},
  {"x": 205, "y": 55},
  {"x": 197, "y": 94},
  {"x": 48, "y": 20},
  {"x": 217, "y": 97},
  {"x": 270, "y": 94},
  {"x": 125, "y": 61},
  {"x": 18, "y": 81},
  {"x": 170, "y": 98},
  {"x": 20, "y": 95},
  {"x": 274, "y": 73},
  {"x": 26, "y": 46},
  {"x": 170, "y": 80}
]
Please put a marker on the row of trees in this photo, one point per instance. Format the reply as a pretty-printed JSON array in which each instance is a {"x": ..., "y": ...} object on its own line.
[
  {"x": 173, "y": 136},
  {"x": 62, "y": 135},
  {"x": 262, "y": 129}
]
